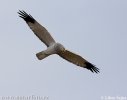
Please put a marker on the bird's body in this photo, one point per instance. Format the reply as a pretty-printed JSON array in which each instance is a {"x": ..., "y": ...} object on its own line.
[
  {"x": 52, "y": 46},
  {"x": 55, "y": 48}
]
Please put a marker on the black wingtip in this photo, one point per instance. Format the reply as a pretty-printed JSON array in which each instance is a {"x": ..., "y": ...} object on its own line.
[
  {"x": 91, "y": 67},
  {"x": 26, "y": 17}
]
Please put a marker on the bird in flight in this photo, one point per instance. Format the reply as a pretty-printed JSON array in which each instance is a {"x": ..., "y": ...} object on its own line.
[{"x": 52, "y": 46}]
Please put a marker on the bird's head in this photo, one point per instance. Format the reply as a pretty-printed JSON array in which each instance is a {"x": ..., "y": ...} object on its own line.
[{"x": 59, "y": 47}]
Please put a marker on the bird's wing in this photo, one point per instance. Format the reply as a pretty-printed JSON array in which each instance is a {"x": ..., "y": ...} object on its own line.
[
  {"x": 78, "y": 60},
  {"x": 38, "y": 29}
]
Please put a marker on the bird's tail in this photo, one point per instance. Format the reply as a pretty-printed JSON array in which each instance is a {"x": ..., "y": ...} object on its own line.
[{"x": 41, "y": 55}]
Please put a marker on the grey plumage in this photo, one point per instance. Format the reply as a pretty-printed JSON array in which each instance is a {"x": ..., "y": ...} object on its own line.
[{"x": 52, "y": 46}]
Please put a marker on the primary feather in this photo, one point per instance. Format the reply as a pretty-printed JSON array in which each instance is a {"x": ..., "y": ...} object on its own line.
[
  {"x": 78, "y": 60},
  {"x": 38, "y": 29}
]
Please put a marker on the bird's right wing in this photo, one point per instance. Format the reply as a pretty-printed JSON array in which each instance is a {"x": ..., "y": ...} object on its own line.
[
  {"x": 78, "y": 60},
  {"x": 38, "y": 29}
]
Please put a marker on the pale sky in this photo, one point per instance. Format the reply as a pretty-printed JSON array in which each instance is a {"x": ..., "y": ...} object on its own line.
[{"x": 95, "y": 29}]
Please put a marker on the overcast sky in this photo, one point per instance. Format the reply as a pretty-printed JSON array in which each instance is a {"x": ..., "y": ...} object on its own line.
[{"x": 95, "y": 29}]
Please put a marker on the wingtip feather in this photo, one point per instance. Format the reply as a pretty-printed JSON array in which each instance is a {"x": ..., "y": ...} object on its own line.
[
  {"x": 25, "y": 16},
  {"x": 92, "y": 68}
]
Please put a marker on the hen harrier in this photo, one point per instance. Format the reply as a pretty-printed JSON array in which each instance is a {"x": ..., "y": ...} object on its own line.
[{"x": 52, "y": 46}]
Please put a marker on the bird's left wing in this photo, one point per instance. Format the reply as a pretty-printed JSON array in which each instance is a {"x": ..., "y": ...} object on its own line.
[
  {"x": 38, "y": 29},
  {"x": 78, "y": 60}
]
